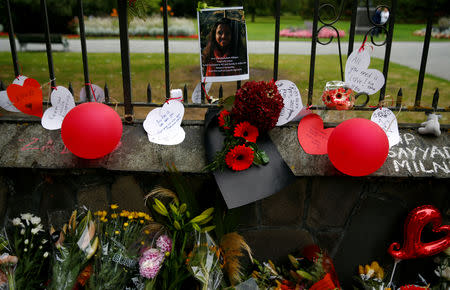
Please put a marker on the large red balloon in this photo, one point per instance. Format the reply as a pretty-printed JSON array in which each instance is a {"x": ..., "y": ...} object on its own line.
[
  {"x": 413, "y": 247},
  {"x": 358, "y": 147},
  {"x": 91, "y": 130}
]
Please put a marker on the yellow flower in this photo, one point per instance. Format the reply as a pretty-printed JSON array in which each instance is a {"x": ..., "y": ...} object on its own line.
[
  {"x": 114, "y": 206},
  {"x": 141, "y": 221},
  {"x": 147, "y": 232},
  {"x": 117, "y": 232},
  {"x": 142, "y": 243},
  {"x": 130, "y": 217},
  {"x": 104, "y": 219},
  {"x": 125, "y": 224},
  {"x": 141, "y": 214},
  {"x": 372, "y": 271},
  {"x": 114, "y": 215}
]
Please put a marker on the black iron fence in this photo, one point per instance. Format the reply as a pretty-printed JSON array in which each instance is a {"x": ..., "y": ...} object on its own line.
[{"x": 318, "y": 24}]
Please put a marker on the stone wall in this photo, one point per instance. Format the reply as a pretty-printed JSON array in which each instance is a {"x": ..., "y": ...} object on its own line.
[{"x": 354, "y": 219}]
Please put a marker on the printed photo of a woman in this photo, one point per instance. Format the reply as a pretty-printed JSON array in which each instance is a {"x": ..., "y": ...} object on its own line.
[{"x": 224, "y": 46}]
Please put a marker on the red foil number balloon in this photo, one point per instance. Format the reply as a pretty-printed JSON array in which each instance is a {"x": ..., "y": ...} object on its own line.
[{"x": 417, "y": 219}]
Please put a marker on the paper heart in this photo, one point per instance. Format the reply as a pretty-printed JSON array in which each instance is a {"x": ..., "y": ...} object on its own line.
[
  {"x": 358, "y": 77},
  {"x": 98, "y": 92},
  {"x": 5, "y": 103},
  {"x": 62, "y": 102},
  {"x": 163, "y": 124},
  {"x": 26, "y": 98},
  {"x": 413, "y": 247},
  {"x": 312, "y": 136},
  {"x": 386, "y": 119},
  {"x": 291, "y": 99}
]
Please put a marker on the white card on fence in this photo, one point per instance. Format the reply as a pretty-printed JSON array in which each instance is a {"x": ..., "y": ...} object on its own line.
[
  {"x": 19, "y": 80},
  {"x": 386, "y": 119},
  {"x": 98, "y": 91},
  {"x": 291, "y": 99},
  {"x": 161, "y": 123},
  {"x": 172, "y": 137},
  {"x": 357, "y": 75},
  {"x": 197, "y": 94},
  {"x": 62, "y": 102}
]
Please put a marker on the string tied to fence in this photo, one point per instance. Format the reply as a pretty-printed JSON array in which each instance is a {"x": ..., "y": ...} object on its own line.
[
  {"x": 92, "y": 89},
  {"x": 47, "y": 83},
  {"x": 172, "y": 98}
]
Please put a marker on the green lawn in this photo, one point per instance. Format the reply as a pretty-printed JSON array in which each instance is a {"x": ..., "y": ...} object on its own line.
[{"x": 184, "y": 69}]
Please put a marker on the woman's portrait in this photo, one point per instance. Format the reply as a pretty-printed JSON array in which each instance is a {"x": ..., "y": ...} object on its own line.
[{"x": 223, "y": 44}]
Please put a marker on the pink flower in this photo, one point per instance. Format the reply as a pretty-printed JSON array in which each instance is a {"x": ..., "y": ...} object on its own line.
[
  {"x": 150, "y": 263},
  {"x": 164, "y": 244}
]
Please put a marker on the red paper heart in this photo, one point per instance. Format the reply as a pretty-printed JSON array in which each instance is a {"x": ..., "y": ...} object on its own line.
[
  {"x": 312, "y": 136},
  {"x": 27, "y": 98},
  {"x": 412, "y": 245}
]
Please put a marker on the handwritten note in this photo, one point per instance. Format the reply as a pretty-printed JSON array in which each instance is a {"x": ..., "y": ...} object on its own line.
[
  {"x": 197, "y": 94},
  {"x": 98, "y": 92},
  {"x": 5, "y": 102},
  {"x": 357, "y": 75},
  {"x": 312, "y": 136},
  {"x": 163, "y": 125},
  {"x": 386, "y": 119},
  {"x": 26, "y": 98},
  {"x": 62, "y": 102},
  {"x": 291, "y": 99}
]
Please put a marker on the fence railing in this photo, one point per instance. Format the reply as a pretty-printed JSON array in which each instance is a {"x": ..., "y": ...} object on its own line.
[{"x": 128, "y": 104}]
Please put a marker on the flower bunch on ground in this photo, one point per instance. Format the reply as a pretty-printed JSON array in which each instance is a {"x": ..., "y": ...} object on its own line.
[
  {"x": 122, "y": 238},
  {"x": 371, "y": 277},
  {"x": 74, "y": 246}
]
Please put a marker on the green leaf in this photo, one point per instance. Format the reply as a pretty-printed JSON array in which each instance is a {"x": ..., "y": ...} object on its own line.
[
  {"x": 260, "y": 158},
  {"x": 174, "y": 209},
  {"x": 196, "y": 227},
  {"x": 207, "y": 229},
  {"x": 176, "y": 224}
]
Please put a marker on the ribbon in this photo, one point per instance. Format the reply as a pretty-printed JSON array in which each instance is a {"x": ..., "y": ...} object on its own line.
[{"x": 93, "y": 94}]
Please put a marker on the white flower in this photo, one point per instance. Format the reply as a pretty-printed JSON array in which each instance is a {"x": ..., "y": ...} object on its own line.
[
  {"x": 44, "y": 241},
  {"x": 22, "y": 231},
  {"x": 25, "y": 250},
  {"x": 27, "y": 217},
  {"x": 40, "y": 247},
  {"x": 37, "y": 229},
  {"x": 31, "y": 246},
  {"x": 35, "y": 220},
  {"x": 16, "y": 221},
  {"x": 26, "y": 242},
  {"x": 45, "y": 254}
]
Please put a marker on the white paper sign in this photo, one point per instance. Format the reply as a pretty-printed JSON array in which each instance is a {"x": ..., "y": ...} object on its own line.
[
  {"x": 98, "y": 91},
  {"x": 5, "y": 103},
  {"x": 357, "y": 75},
  {"x": 163, "y": 125},
  {"x": 291, "y": 99},
  {"x": 62, "y": 102},
  {"x": 197, "y": 94},
  {"x": 386, "y": 119}
]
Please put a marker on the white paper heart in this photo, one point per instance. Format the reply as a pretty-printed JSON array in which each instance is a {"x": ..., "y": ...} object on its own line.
[
  {"x": 386, "y": 119},
  {"x": 292, "y": 101},
  {"x": 98, "y": 91},
  {"x": 5, "y": 103},
  {"x": 62, "y": 102},
  {"x": 162, "y": 124},
  {"x": 357, "y": 75},
  {"x": 197, "y": 94}
]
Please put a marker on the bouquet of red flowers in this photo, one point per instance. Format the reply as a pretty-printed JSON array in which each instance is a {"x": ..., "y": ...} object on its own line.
[{"x": 256, "y": 108}]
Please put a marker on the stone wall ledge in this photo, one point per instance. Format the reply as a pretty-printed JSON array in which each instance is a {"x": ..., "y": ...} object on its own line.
[{"x": 26, "y": 144}]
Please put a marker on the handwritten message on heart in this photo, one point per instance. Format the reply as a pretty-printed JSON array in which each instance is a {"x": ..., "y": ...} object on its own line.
[
  {"x": 98, "y": 92},
  {"x": 357, "y": 75},
  {"x": 163, "y": 125},
  {"x": 27, "y": 97},
  {"x": 312, "y": 136},
  {"x": 386, "y": 119},
  {"x": 62, "y": 102},
  {"x": 291, "y": 99},
  {"x": 197, "y": 94}
]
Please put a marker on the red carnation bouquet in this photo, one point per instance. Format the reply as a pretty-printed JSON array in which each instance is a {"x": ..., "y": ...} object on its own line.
[{"x": 256, "y": 108}]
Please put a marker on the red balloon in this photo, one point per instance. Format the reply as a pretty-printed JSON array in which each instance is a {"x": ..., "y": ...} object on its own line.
[
  {"x": 413, "y": 247},
  {"x": 358, "y": 147},
  {"x": 91, "y": 130}
]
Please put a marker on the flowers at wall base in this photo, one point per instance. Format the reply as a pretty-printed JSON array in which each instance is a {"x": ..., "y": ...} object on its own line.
[{"x": 150, "y": 263}]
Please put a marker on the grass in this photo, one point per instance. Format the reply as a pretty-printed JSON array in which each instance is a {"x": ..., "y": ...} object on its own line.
[{"x": 184, "y": 69}]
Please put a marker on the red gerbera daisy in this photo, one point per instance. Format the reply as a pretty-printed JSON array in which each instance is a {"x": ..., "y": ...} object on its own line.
[
  {"x": 246, "y": 131},
  {"x": 221, "y": 119},
  {"x": 239, "y": 158}
]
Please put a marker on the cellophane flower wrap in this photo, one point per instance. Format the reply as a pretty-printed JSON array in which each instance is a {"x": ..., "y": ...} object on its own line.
[
  {"x": 204, "y": 262},
  {"x": 74, "y": 245},
  {"x": 27, "y": 242},
  {"x": 8, "y": 263},
  {"x": 256, "y": 109},
  {"x": 122, "y": 239}
]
